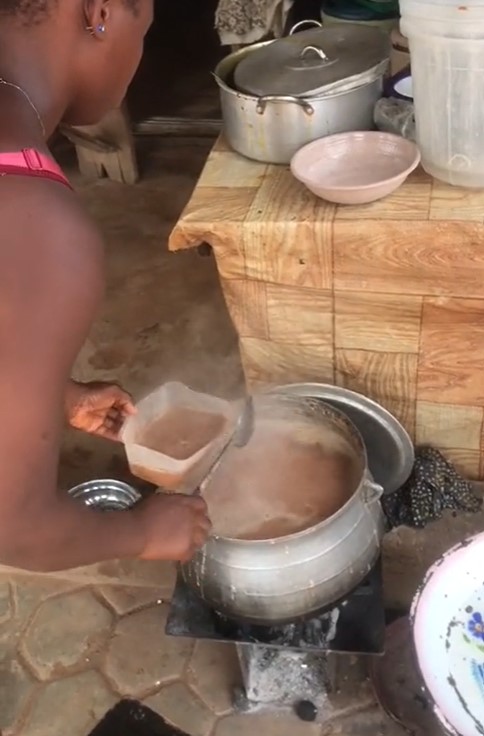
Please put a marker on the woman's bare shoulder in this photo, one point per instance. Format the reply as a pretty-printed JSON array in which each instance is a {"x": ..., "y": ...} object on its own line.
[{"x": 46, "y": 232}]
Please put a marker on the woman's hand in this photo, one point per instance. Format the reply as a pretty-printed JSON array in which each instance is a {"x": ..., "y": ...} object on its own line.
[
  {"x": 175, "y": 526},
  {"x": 98, "y": 408}
]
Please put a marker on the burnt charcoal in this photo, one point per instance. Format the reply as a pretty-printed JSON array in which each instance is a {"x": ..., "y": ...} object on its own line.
[
  {"x": 130, "y": 718},
  {"x": 306, "y": 711}
]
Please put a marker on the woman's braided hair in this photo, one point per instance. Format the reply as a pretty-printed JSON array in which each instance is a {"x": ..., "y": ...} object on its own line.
[{"x": 32, "y": 11}]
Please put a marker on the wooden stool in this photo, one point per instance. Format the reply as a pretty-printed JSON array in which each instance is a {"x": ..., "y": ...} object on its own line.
[{"x": 106, "y": 149}]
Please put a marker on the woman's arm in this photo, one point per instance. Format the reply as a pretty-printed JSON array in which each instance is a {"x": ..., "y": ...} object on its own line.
[{"x": 50, "y": 287}]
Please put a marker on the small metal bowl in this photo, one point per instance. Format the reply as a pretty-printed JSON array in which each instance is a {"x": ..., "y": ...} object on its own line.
[{"x": 106, "y": 495}]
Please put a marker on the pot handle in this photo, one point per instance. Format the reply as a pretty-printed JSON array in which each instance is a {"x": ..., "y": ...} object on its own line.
[
  {"x": 372, "y": 491},
  {"x": 262, "y": 103},
  {"x": 301, "y": 23}
]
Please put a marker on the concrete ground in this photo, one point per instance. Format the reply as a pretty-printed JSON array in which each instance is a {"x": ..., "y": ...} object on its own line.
[{"x": 72, "y": 645}]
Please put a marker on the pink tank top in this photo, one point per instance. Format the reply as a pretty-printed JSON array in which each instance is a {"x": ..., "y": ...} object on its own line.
[{"x": 30, "y": 162}]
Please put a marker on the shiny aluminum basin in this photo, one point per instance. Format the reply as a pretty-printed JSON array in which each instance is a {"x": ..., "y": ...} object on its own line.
[{"x": 106, "y": 495}]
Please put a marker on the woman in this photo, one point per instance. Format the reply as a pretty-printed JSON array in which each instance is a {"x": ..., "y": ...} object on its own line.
[{"x": 70, "y": 61}]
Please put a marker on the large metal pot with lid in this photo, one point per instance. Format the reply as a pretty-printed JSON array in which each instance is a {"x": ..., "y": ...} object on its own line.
[
  {"x": 279, "y": 580},
  {"x": 276, "y": 96}
]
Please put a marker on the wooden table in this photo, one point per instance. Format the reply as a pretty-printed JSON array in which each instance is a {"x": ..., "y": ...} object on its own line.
[{"x": 386, "y": 299}]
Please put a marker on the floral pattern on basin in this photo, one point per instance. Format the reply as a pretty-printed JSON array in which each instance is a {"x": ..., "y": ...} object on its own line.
[
  {"x": 448, "y": 628},
  {"x": 476, "y": 626},
  {"x": 478, "y": 673}
]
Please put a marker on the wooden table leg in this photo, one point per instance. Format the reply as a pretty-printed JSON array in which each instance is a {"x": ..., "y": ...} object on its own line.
[{"x": 106, "y": 149}]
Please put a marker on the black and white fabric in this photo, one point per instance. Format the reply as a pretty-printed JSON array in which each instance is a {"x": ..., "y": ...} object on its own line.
[
  {"x": 433, "y": 487},
  {"x": 241, "y": 22}
]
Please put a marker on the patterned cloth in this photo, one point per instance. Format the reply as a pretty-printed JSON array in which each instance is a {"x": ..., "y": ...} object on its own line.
[
  {"x": 433, "y": 487},
  {"x": 247, "y": 21}
]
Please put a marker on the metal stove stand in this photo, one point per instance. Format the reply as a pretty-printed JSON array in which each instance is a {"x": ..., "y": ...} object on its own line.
[{"x": 295, "y": 665}]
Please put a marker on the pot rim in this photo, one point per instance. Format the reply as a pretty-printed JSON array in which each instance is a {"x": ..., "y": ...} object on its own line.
[
  {"x": 310, "y": 99},
  {"x": 365, "y": 481},
  {"x": 222, "y": 83}
]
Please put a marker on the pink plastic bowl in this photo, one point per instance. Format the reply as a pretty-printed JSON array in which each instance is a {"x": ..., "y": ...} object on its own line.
[{"x": 357, "y": 167}]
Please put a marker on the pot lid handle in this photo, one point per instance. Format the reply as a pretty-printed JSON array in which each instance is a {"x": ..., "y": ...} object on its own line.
[
  {"x": 310, "y": 59},
  {"x": 316, "y": 50}
]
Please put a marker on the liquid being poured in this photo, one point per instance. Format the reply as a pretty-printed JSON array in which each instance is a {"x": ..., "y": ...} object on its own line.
[{"x": 288, "y": 478}]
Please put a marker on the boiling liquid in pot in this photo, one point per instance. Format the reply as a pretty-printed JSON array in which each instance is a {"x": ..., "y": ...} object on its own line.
[{"x": 288, "y": 478}]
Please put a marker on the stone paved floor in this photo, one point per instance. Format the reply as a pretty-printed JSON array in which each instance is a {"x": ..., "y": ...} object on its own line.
[
  {"x": 69, "y": 652},
  {"x": 70, "y": 649}
]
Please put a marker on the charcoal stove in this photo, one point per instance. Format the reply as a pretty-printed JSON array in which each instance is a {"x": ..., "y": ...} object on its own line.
[
  {"x": 302, "y": 665},
  {"x": 317, "y": 667}
]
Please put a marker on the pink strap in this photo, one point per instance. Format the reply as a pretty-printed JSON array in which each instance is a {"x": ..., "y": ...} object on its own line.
[{"x": 30, "y": 162}]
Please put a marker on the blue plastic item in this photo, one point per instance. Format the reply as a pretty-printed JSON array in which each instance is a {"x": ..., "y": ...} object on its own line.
[{"x": 351, "y": 10}]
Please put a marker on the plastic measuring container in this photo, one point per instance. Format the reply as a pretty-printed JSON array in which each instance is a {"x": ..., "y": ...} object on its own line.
[
  {"x": 446, "y": 40},
  {"x": 181, "y": 472}
]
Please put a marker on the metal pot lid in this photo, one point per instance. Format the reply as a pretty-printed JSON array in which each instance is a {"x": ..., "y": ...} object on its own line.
[
  {"x": 389, "y": 448},
  {"x": 313, "y": 62}
]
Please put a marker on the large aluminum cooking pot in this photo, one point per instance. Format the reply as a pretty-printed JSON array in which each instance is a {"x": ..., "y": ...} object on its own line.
[
  {"x": 280, "y": 580},
  {"x": 272, "y": 128}
]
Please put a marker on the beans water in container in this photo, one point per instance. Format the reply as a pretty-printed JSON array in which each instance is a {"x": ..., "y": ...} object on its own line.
[
  {"x": 176, "y": 436},
  {"x": 446, "y": 41}
]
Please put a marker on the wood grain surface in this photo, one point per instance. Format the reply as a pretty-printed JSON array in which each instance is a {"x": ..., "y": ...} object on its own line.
[
  {"x": 382, "y": 376},
  {"x": 302, "y": 316},
  {"x": 386, "y": 299},
  {"x": 451, "y": 426},
  {"x": 454, "y": 203},
  {"x": 451, "y": 359},
  {"x": 267, "y": 363},
  {"x": 247, "y": 305},
  {"x": 421, "y": 258},
  {"x": 386, "y": 322}
]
